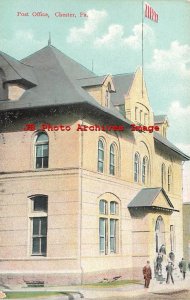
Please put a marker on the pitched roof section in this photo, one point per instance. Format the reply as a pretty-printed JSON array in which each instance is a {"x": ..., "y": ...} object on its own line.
[
  {"x": 57, "y": 77},
  {"x": 158, "y": 119},
  {"x": 15, "y": 70},
  {"x": 122, "y": 84},
  {"x": 50, "y": 58},
  {"x": 146, "y": 198},
  {"x": 92, "y": 81},
  {"x": 162, "y": 140}
]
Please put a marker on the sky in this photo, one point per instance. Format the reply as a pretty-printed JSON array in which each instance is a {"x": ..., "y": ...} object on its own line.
[{"x": 111, "y": 37}]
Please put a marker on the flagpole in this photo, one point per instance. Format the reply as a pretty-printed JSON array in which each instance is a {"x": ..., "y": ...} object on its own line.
[{"x": 142, "y": 54}]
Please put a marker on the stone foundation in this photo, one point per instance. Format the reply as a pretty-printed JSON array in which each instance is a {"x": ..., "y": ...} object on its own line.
[{"x": 57, "y": 279}]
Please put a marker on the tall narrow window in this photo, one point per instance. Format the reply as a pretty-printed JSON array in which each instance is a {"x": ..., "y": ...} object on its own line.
[
  {"x": 141, "y": 116},
  {"x": 108, "y": 227},
  {"x": 112, "y": 159},
  {"x": 113, "y": 223},
  {"x": 163, "y": 175},
  {"x": 100, "y": 156},
  {"x": 172, "y": 238},
  {"x": 39, "y": 236},
  {"x": 38, "y": 218},
  {"x": 107, "y": 96},
  {"x": 103, "y": 235},
  {"x": 169, "y": 179},
  {"x": 136, "y": 167},
  {"x": 42, "y": 150},
  {"x": 136, "y": 113},
  {"x": 146, "y": 119},
  {"x": 145, "y": 170}
]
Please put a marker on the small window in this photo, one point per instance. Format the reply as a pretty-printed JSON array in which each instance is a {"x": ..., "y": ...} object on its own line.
[
  {"x": 40, "y": 203},
  {"x": 42, "y": 150},
  {"x": 113, "y": 208},
  {"x": 103, "y": 207}
]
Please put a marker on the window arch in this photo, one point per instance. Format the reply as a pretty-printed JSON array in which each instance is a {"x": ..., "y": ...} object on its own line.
[
  {"x": 136, "y": 167},
  {"x": 145, "y": 170},
  {"x": 169, "y": 178},
  {"x": 112, "y": 159},
  {"x": 41, "y": 150},
  {"x": 163, "y": 175},
  {"x": 100, "y": 156}
]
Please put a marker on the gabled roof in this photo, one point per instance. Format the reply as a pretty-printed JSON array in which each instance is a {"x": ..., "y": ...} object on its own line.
[
  {"x": 158, "y": 119},
  {"x": 122, "y": 84},
  {"x": 92, "y": 81},
  {"x": 164, "y": 141},
  {"x": 146, "y": 197},
  {"x": 16, "y": 70}
]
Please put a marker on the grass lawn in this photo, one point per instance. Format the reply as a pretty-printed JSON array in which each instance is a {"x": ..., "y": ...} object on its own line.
[
  {"x": 15, "y": 295},
  {"x": 111, "y": 284}
]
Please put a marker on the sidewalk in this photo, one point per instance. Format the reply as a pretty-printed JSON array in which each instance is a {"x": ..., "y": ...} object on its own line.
[{"x": 128, "y": 291}]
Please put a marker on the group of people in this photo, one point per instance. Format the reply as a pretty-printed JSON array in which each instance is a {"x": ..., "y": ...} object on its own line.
[{"x": 147, "y": 272}]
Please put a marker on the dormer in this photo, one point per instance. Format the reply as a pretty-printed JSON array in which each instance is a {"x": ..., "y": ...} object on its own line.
[
  {"x": 15, "y": 78},
  {"x": 99, "y": 87},
  {"x": 162, "y": 122}
]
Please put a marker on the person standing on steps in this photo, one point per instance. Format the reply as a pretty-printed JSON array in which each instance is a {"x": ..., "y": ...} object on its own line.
[
  {"x": 183, "y": 267},
  {"x": 147, "y": 272},
  {"x": 169, "y": 270}
]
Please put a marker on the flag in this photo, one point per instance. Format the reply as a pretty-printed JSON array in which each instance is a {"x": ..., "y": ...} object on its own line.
[{"x": 150, "y": 13}]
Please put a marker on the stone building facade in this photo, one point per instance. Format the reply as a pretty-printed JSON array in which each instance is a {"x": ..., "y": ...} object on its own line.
[{"x": 82, "y": 205}]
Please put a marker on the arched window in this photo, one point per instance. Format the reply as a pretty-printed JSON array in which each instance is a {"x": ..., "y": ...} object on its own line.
[
  {"x": 163, "y": 175},
  {"x": 112, "y": 159},
  {"x": 145, "y": 170},
  {"x": 169, "y": 179},
  {"x": 41, "y": 150},
  {"x": 108, "y": 227},
  {"x": 100, "y": 156},
  {"x": 136, "y": 167}
]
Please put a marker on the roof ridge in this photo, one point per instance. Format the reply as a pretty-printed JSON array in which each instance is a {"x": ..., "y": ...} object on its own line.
[
  {"x": 92, "y": 77},
  {"x": 54, "y": 48},
  {"x": 10, "y": 65},
  {"x": 119, "y": 74}
]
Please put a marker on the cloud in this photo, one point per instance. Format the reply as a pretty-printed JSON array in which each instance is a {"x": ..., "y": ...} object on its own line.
[
  {"x": 175, "y": 59},
  {"x": 28, "y": 45},
  {"x": 179, "y": 120},
  {"x": 79, "y": 34},
  {"x": 186, "y": 172},
  {"x": 115, "y": 36}
]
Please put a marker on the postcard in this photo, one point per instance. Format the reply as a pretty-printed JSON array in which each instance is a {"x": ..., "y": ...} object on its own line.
[{"x": 94, "y": 149}]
